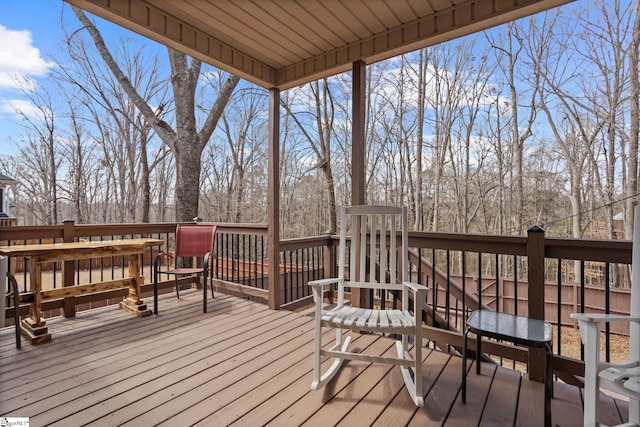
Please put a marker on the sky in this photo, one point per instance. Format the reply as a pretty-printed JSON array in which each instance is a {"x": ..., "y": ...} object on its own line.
[
  {"x": 30, "y": 31},
  {"x": 31, "y": 35}
]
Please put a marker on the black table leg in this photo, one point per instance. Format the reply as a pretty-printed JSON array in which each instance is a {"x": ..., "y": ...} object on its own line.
[
  {"x": 548, "y": 385},
  {"x": 464, "y": 366},
  {"x": 478, "y": 352}
]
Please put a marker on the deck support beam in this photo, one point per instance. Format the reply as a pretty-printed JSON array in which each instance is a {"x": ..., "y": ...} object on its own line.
[
  {"x": 68, "y": 267},
  {"x": 535, "y": 296},
  {"x": 273, "y": 200},
  {"x": 358, "y": 156}
]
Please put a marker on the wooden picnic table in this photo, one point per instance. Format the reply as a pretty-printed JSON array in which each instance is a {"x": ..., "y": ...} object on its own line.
[{"x": 34, "y": 326}]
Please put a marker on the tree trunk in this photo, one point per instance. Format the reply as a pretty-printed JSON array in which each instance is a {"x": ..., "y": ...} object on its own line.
[{"x": 186, "y": 143}]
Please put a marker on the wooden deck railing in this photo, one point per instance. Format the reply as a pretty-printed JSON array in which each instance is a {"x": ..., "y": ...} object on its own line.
[
  {"x": 8, "y": 222},
  {"x": 520, "y": 275},
  {"x": 545, "y": 278}
]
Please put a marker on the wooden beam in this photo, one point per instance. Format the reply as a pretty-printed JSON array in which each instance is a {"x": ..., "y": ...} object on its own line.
[
  {"x": 358, "y": 133},
  {"x": 535, "y": 297},
  {"x": 273, "y": 199},
  {"x": 72, "y": 291},
  {"x": 69, "y": 267},
  {"x": 158, "y": 24},
  {"x": 358, "y": 156},
  {"x": 230, "y": 288},
  {"x": 460, "y": 19}
]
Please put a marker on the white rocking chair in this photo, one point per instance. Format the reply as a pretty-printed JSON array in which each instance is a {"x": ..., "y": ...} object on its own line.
[
  {"x": 621, "y": 378},
  {"x": 372, "y": 228}
]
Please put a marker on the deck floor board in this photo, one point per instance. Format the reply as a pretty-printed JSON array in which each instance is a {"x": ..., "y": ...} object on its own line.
[{"x": 244, "y": 365}]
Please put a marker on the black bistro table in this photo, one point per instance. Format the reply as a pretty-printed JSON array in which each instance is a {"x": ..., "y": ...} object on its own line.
[{"x": 518, "y": 330}]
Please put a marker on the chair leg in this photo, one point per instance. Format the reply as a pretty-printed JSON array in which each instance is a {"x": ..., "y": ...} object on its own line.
[
  {"x": 634, "y": 411},
  {"x": 212, "y": 276},
  {"x": 591, "y": 387},
  {"x": 417, "y": 371},
  {"x": 409, "y": 382},
  {"x": 204, "y": 292},
  {"x": 319, "y": 379},
  {"x": 176, "y": 281},
  {"x": 155, "y": 291},
  {"x": 464, "y": 365},
  {"x": 16, "y": 309}
]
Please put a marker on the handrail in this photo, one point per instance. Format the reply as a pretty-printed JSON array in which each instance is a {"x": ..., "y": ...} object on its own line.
[
  {"x": 27, "y": 232},
  {"x": 522, "y": 254}
]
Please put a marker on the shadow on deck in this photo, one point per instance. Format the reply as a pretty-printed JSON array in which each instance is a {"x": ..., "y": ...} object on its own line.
[{"x": 243, "y": 364}]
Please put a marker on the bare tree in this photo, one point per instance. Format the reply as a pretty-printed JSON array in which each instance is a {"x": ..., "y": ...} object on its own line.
[
  {"x": 82, "y": 164},
  {"x": 421, "y": 86},
  {"x": 185, "y": 141},
  {"x": 42, "y": 153},
  {"x": 244, "y": 137},
  {"x": 634, "y": 126},
  {"x": 443, "y": 102},
  {"x": 318, "y": 132}
]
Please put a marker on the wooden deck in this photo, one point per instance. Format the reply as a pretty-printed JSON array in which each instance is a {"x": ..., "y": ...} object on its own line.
[{"x": 242, "y": 364}]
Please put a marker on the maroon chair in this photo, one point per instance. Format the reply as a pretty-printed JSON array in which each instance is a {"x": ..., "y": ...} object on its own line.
[{"x": 192, "y": 240}]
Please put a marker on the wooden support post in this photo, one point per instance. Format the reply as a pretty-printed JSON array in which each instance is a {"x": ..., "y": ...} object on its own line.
[
  {"x": 358, "y": 157},
  {"x": 69, "y": 268},
  {"x": 330, "y": 263},
  {"x": 358, "y": 153},
  {"x": 34, "y": 327},
  {"x": 273, "y": 200},
  {"x": 535, "y": 297}
]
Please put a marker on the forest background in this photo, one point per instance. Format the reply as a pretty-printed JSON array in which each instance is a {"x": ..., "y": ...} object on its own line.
[{"x": 530, "y": 123}]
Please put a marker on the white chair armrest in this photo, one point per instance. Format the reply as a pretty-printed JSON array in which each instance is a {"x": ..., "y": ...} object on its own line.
[
  {"x": 603, "y": 318},
  {"x": 419, "y": 299},
  {"x": 317, "y": 289},
  {"x": 415, "y": 287},
  {"x": 590, "y": 327},
  {"x": 320, "y": 283}
]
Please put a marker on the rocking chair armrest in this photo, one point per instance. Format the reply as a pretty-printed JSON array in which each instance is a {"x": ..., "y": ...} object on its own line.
[
  {"x": 419, "y": 298},
  {"x": 603, "y": 318},
  {"x": 321, "y": 283},
  {"x": 416, "y": 287},
  {"x": 317, "y": 288}
]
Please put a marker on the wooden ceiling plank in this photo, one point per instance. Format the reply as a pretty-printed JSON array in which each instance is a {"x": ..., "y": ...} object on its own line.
[
  {"x": 286, "y": 43},
  {"x": 312, "y": 23},
  {"x": 280, "y": 37},
  {"x": 223, "y": 20},
  {"x": 372, "y": 19},
  {"x": 327, "y": 15},
  {"x": 426, "y": 31},
  {"x": 168, "y": 30},
  {"x": 300, "y": 25},
  {"x": 404, "y": 12}
]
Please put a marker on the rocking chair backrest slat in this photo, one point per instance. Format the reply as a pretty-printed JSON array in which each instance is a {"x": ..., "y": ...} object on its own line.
[
  {"x": 393, "y": 247},
  {"x": 362, "y": 249},
  {"x": 372, "y": 249},
  {"x": 384, "y": 252},
  {"x": 634, "y": 328},
  {"x": 374, "y": 242}
]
